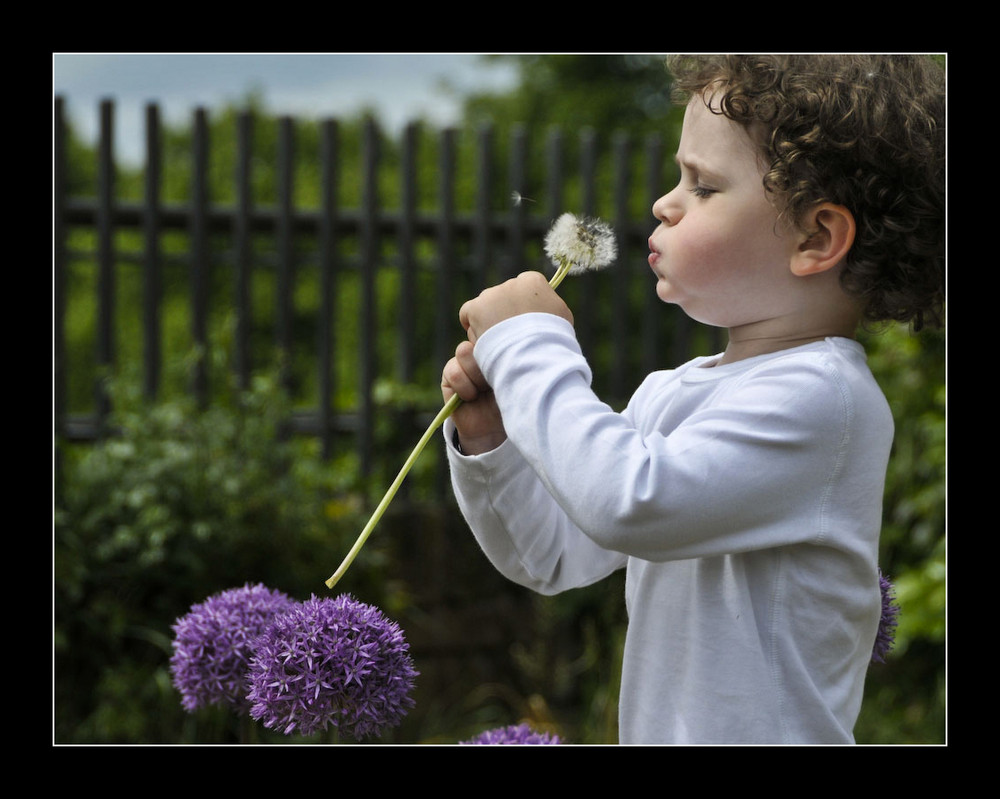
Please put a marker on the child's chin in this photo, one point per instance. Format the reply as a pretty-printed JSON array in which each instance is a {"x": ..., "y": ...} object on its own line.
[{"x": 666, "y": 292}]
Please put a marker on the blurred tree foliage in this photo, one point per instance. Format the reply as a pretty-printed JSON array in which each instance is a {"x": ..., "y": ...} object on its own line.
[
  {"x": 604, "y": 92},
  {"x": 906, "y": 696},
  {"x": 186, "y": 502}
]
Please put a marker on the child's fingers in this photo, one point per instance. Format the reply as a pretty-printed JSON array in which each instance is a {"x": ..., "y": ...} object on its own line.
[
  {"x": 461, "y": 375},
  {"x": 529, "y": 292},
  {"x": 464, "y": 354}
]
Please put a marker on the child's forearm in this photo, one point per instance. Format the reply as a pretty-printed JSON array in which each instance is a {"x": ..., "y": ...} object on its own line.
[{"x": 525, "y": 535}]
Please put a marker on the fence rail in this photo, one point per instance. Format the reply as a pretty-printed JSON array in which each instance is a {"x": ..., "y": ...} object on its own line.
[{"x": 471, "y": 247}]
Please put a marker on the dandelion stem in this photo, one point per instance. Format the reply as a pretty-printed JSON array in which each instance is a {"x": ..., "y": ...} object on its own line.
[
  {"x": 444, "y": 413},
  {"x": 561, "y": 272}
]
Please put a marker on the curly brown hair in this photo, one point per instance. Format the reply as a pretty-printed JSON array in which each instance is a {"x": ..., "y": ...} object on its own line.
[{"x": 862, "y": 131}]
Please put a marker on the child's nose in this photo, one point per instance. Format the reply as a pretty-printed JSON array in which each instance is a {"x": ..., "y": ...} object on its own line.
[{"x": 665, "y": 209}]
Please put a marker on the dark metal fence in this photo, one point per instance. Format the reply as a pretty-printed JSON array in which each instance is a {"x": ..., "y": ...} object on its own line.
[{"x": 435, "y": 260}]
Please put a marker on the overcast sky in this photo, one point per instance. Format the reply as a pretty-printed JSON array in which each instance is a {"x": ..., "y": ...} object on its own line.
[{"x": 400, "y": 86}]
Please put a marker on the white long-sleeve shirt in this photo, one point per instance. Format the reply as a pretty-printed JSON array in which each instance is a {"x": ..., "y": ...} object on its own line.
[{"x": 743, "y": 499}]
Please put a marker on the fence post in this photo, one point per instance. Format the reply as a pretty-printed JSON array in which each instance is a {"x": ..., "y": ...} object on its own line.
[
  {"x": 105, "y": 260},
  {"x": 588, "y": 177},
  {"x": 620, "y": 176},
  {"x": 518, "y": 177},
  {"x": 286, "y": 251},
  {"x": 242, "y": 252},
  {"x": 199, "y": 253},
  {"x": 367, "y": 268},
  {"x": 151, "y": 267},
  {"x": 328, "y": 265},
  {"x": 482, "y": 226},
  {"x": 652, "y": 306}
]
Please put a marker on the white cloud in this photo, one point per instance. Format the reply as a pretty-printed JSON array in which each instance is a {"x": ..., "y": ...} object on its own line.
[{"x": 400, "y": 86}]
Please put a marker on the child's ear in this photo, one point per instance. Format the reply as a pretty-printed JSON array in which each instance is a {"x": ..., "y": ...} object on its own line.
[{"x": 831, "y": 234}]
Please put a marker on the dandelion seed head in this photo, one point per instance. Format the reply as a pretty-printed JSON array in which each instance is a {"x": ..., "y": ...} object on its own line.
[
  {"x": 213, "y": 644},
  {"x": 585, "y": 244},
  {"x": 332, "y": 662}
]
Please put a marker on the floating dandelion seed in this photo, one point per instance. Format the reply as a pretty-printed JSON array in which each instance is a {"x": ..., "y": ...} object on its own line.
[
  {"x": 515, "y": 734},
  {"x": 574, "y": 245},
  {"x": 517, "y": 198}
]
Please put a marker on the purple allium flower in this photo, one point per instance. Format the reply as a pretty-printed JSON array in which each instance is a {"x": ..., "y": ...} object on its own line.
[
  {"x": 886, "y": 636},
  {"x": 214, "y": 641},
  {"x": 334, "y": 662},
  {"x": 514, "y": 734}
]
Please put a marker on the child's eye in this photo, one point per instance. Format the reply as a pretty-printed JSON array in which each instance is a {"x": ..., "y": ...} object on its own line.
[{"x": 701, "y": 192}]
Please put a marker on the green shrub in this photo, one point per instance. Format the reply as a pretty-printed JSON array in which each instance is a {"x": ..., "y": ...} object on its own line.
[
  {"x": 179, "y": 504},
  {"x": 905, "y": 697}
]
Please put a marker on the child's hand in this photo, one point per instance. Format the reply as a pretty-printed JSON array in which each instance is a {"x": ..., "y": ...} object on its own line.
[
  {"x": 477, "y": 418},
  {"x": 529, "y": 292}
]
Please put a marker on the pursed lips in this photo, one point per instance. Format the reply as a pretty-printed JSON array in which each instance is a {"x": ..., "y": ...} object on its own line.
[{"x": 654, "y": 255}]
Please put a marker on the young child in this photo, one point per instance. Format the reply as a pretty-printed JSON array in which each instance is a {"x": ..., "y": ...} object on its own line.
[{"x": 742, "y": 493}]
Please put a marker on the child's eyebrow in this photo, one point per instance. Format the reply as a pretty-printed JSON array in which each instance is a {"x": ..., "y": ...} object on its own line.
[
  {"x": 696, "y": 166},
  {"x": 691, "y": 164}
]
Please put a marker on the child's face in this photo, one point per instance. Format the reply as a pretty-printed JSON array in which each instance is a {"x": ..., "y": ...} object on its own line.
[{"x": 720, "y": 251}]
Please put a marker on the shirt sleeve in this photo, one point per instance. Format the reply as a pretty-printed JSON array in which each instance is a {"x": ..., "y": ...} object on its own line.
[
  {"x": 521, "y": 529},
  {"x": 754, "y": 468}
]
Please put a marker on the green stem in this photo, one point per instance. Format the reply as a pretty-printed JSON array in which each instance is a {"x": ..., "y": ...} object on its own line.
[
  {"x": 444, "y": 413},
  {"x": 561, "y": 272}
]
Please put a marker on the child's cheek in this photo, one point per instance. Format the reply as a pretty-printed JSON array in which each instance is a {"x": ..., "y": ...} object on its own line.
[{"x": 699, "y": 255}]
